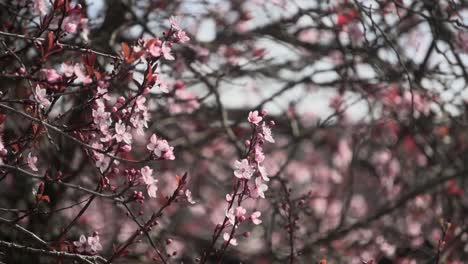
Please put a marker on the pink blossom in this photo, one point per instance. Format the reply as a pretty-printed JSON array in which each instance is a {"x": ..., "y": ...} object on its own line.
[
  {"x": 81, "y": 76},
  {"x": 41, "y": 6},
  {"x": 122, "y": 134},
  {"x": 147, "y": 178},
  {"x": 161, "y": 83},
  {"x": 161, "y": 49},
  {"x": 232, "y": 241},
  {"x": 237, "y": 213},
  {"x": 84, "y": 32},
  {"x": 263, "y": 173},
  {"x": 161, "y": 148},
  {"x": 169, "y": 154},
  {"x": 254, "y": 117},
  {"x": 229, "y": 197},
  {"x": 255, "y": 218},
  {"x": 3, "y": 150},
  {"x": 181, "y": 36},
  {"x": 230, "y": 216},
  {"x": 100, "y": 117},
  {"x": 90, "y": 245},
  {"x": 102, "y": 91},
  {"x": 40, "y": 97},
  {"x": 80, "y": 244},
  {"x": 188, "y": 195},
  {"x": 52, "y": 75},
  {"x": 155, "y": 49},
  {"x": 174, "y": 23},
  {"x": 102, "y": 161},
  {"x": 32, "y": 162},
  {"x": 147, "y": 175},
  {"x": 140, "y": 103},
  {"x": 152, "y": 189},
  {"x": 267, "y": 134},
  {"x": 71, "y": 22},
  {"x": 94, "y": 244},
  {"x": 240, "y": 211},
  {"x": 260, "y": 188},
  {"x": 166, "y": 52},
  {"x": 67, "y": 69},
  {"x": 258, "y": 152},
  {"x": 242, "y": 169}
]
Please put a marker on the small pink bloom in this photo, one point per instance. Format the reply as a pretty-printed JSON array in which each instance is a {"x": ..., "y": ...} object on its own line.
[
  {"x": 3, "y": 150},
  {"x": 240, "y": 211},
  {"x": 260, "y": 188},
  {"x": 102, "y": 91},
  {"x": 102, "y": 161},
  {"x": 161, "y": 83},
  {"x": 152, "y": 189},
  {"x": 140, "y": 103},
  {"x": 161, "y": 148},
  {"x": 263, "y": 173},
  {"x": 166, "y": 52},
  {"x": 258, "y": 152},
  {"x": 67, "y": 69},
  {"x": 147, "y": 178},
  {"x": 41, "y": 6},
  {"x": 122, "y": 134},
  {"x": 181, "y": 36},
  {"x": 71, "y": 22},
  {"x": 94, "y": 244},
  {"x": 80, "y": 244},
  {"x": 52, "y": 75},
  {"x": 242, "y": 169},
  {"x": 32, "y": 162},
  {"x": 232, "y": 241},
  {"x": 155, "y": 49},
  {"x": 231, "y": 217},
  {"x": 255, "y": 218},
  {"x": 147, "y": 175},
  {"x": 40, "y": 97},
  {"x": 81, "y": 76},
  {"x": 254, "y": 117},
  {"x": 174, "y": 23},
  {"x": 267, "y": 135},
  {"x": 188, "y": 195}
]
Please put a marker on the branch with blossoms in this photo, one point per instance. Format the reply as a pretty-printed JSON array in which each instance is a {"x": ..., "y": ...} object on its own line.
[{"x": 250, "y": 184}]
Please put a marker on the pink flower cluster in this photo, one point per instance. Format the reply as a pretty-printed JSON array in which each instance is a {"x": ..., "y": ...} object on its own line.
[
  {"x": 90, "y": 245},
  {"x": 160, "y": 148},
  {"x": 149, "y": 181},
  {"x": 245, "y": 170}
]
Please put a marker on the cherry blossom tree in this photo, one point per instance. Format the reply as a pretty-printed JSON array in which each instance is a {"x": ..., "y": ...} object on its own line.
[{"x": 233, "y": 131}]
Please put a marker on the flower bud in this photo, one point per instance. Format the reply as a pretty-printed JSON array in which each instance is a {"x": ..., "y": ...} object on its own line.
[{"x": 127, "y": 148}]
